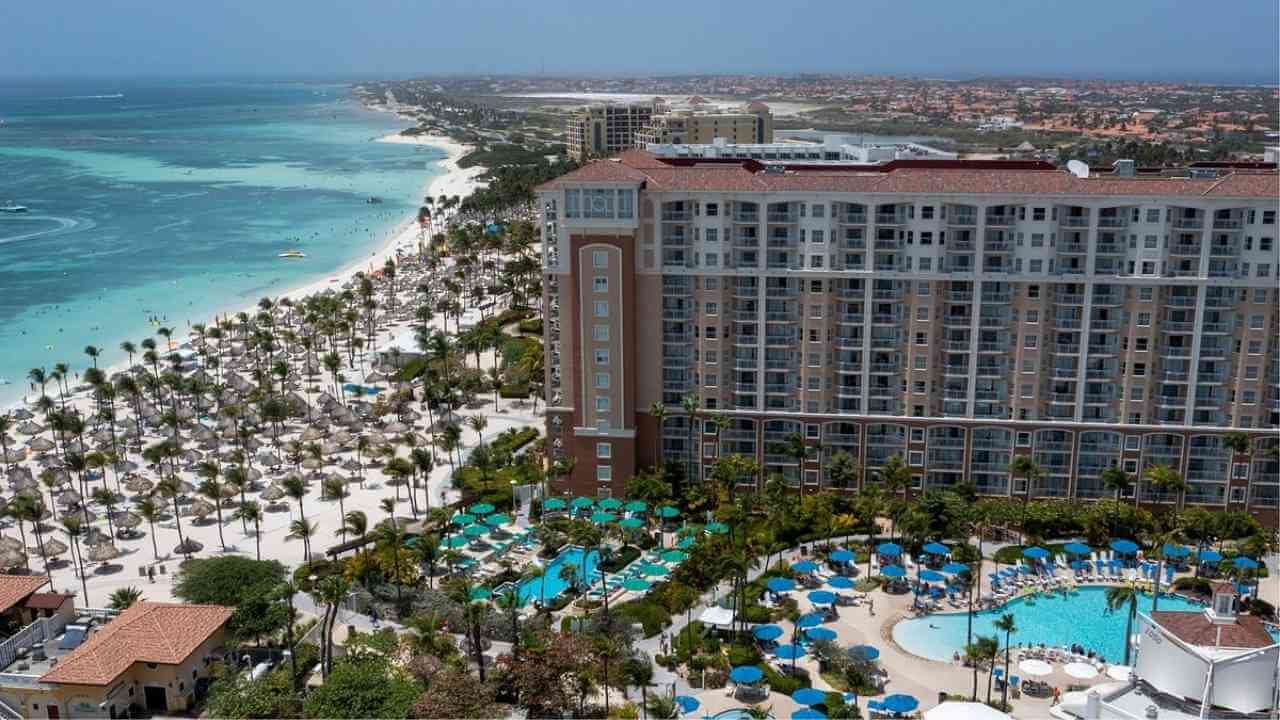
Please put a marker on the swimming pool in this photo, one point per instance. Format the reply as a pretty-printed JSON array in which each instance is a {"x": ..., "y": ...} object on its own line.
[
  {"x": 585, "y": 563},
  {"x": 1078, "y": 618},
  {"x": 361, "y": 389}
]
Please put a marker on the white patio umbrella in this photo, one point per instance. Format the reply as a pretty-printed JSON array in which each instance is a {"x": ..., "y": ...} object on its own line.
[{"x": 1035, "y": 668}]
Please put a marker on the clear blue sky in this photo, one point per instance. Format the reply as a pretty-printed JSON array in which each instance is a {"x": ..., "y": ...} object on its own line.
[{"x": 1160, "y": 39}]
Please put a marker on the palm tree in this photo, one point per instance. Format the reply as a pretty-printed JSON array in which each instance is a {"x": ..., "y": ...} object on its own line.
[
  {"x": 983, "y": 651},
  {"x": 659, "y": 413},
  {"x": 31, "y": 509},
  {"x": 151, "y": 512},
  {"x": 213, "y": 489},
  {"x": 1026, "y": 467},
  {"x": 1167, "y": 480},
  {"x": 6, "y": 424},
  {"x": 662, "y": 707},
  {"x": 74, "y": 528},
  {"x": 356, "y": 523},
  {"x": 251, "y": 512},
  {"x": 1117, "y": 481},
  {"x": 124, "y": 597},
  {"x": 129, "y": 349},
  {"x": 329, "y": 592},
  {"x": 334, "y": 488},
  {"x": 1117, "y": 598},
  {"x": 795, "y": 448},
  {"x": 296, "y": 490},
  {"x": 1008, "y": 625},
  {"x": 303, "y": 530},
  {"x": 690, "y": 404},
  {"x": 478, "y": 423},
  {"x": 170, "y": 488}
]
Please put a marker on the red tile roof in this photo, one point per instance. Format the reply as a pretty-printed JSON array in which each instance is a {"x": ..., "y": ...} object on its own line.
[
  {"x": 936, "y": 178},
  {"x": 1195, "y": 629},
  {"x": 46, "y": 601},
  {"x": 15, "y": 588},
  {"x": 163, "y": 633}
]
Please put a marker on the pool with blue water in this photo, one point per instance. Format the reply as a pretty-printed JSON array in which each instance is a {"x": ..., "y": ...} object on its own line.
[
  {"x": 584, "y": 563},
  {"x": 1076, "y": 618}
]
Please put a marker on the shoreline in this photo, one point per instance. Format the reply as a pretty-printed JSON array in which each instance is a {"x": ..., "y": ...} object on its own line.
[{"x": 404, "y": 235}]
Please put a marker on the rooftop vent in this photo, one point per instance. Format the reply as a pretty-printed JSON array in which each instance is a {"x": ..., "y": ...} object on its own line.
[
  {"x": 1124, "y": 168},
  {"x": 774, "y": 169},
  {"x": 1204, "y": 173}
]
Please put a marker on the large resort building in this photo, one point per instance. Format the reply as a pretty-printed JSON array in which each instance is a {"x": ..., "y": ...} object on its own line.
[
  {"x": 608, "y": 129},
  {"x": 955, "y": 313}
]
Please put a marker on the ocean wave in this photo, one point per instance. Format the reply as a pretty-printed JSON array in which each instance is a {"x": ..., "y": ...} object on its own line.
[
  {"x": 108, "y": 96},
  {"x": 64, "y": 225}
]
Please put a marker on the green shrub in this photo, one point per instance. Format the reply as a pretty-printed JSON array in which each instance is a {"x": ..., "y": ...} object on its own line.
[
  {"x": 532, "y": 326},
  {"x": 784, "y": 683},
  {"x": 740, "y": 654},
  {"x": 651, "y": 616},
  {"x": 512, "y": 391},
  {"x": 1193, "y": 585},
  {"x": 1260, "y": 608}
]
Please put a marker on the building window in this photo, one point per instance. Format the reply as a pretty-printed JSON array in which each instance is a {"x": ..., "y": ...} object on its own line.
[
  {"x": 712, "y": 209},
  {"x": 711, "y": 235},
  {"x": 1024, "y": 439},
  {"x": 626, "y": 205},
  {"x": 600, "y": 284},
  {"x": 917, "y": 458},
  {"x": 921, "y": 362},
  {"x": 602, "y": 356},
  {"x": 604, "y": 451},
  {"x": 604, "y": 473},
  {"x": 602, "y": 381},
  {"x": 711, "y": 380},
  {"x": 1030, "y": 342},
  {"x": 600, "y": 258},
  {"x": 572, "y": 203},
  {"x": 917, "y": 435},
  {"x": 1033, "y": 317},
  {"x": 598, "y": 204},
  {"x": 603, "y": 403},
  {"x": 600, "y": 333},
  {"x": 601, "y": 308}
]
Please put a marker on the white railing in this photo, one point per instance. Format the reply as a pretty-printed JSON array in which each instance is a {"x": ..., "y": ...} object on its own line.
[{"x": 41, "y": 630}]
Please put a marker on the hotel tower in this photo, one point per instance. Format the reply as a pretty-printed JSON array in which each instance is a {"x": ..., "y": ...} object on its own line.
[{"x": 955, "y": 313}]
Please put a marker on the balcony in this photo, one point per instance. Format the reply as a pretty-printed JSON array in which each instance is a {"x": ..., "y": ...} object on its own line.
[
  {"x": 955, "y": 370},
  {"x": 1066, "y": 323},
  {"x": 1181, "y": 300},
  {"x": 962, "y": 219},
  {"x": 1109, "y": 249},
  {"x": 961, "y": 296},
  {"x": 1185, "y": 249},
  {"x": 1076, "y": 221},
  {"x": 853, "y": 218},
  {"x": 1066, "y": 348},
  {"x": 996, "y": 246},
  {"x": 851, "y": 318},
  {"x": 884, "y": 244},
  {"x": 886, "y": 367},
  {"x": 1185, "y": 223},
  {"x": 1070, "y": 299},
  {"x": 746, "y": 388},
  {"x": 676, "y": 216},
  {"x": 1068, "y": 373},
  {"x": 1227, "y": 224},
  {"x": 1000, "y": 220},
  {"x": 961, "y": 246},
  {"x": 677, "y": 338},
  {"x": 893, "y": 318},
  {"x": 958, "y": 346},
  {"x": 1224, "y": 249},
  {"x": 1112, "y": 221},
  {"x": 997, "y": 296},
  {"x": 1073, "y": 248},
  {"x": 783, "y": 217},
  {"x": 890, "y": 219},
  {"x": 887, "y": 293},
  {"x": 746, "y": 217},
  {"x": 1217, "y": 328}
]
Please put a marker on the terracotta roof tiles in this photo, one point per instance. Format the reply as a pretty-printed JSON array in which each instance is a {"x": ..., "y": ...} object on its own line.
[
  {"x": 15, "y": 588},
  {"x": 163, "y": 633},
  {"x": 643, "y": 167},
  {"x": 1194, "y": 628}
]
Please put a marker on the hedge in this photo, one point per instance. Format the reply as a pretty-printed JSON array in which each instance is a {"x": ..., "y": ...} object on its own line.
[
  {"x": 532, "y": 326},
  {"x": 650, "y": 615}
]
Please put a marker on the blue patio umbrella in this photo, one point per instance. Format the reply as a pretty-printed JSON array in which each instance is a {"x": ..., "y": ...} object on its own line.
[
  {"x": 841, "y": 556},
  {"x": 631, "y": 523},
  {"x": 687, "y": 543},
  {"x": 866, "y": 652},
  {"x": 674, "y": 556},
  {"x": 900, "y": 703},
  {"x": 636, "y": 506},
  {"x": 822, "y": 597},
  {"x": 687, "y": 703},
  {"x": 789, "y": 651},
  {"x": 653, "y": 570},
  {"x": 462, "y": 519},
  {"x": 1124, "y": 547},
  {"x": 601, "y": 517},
  {"x": 1210, "y": 556},
  {"x": 481, "y": 509},
  {"x": 889, "y": 549},
  {"x": 955, "y": 568},
  {"x": 809, "y": 620},
  {"x": 581, "y": 503},
  {"x": 454, "y": 541},
  {"x": 931, "y": 576},
  {"x": 1035, "y": 553},
  {"x": 1171, "y": 550},
  {"x": 553, "y": 504},
  {"x": 766, "y": 632},
  {"x": 808, "y": 714},
  {"x": 635, "y": 584},
  {"x": 805, "y": 566},
  {"x": 481, "y": 593},
  {"x": 717, "y": 528},
  {"x": 840, "y": 582},
  {"x": 609, "y": 504},
  {"x": 1244, "y": 563},
  {"x": 474, "y": 531},
  {"x": 666, "y": 511},
  {"x": 892, "y": 571},
  {"x": 1077, "y": 548},
  {"x": 809, "y": 696},
  {"x": 746, "y": 674},
  {"x": 819, "y": 634},
  {"x": 1079, "y": 564},
  {"x": 780, "y": 584},
  {"x": 497, "y": 519},
  {"x": 936, "y": 548}
]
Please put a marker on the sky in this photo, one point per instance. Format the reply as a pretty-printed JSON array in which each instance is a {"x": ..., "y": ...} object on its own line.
[{"x": 1235, "y": 41}]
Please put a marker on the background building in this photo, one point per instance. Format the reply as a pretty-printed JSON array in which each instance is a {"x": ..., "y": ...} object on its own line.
[
  {"x": 605, "y": 129},
  {"x": 954, "y": 313},
  {"x": 752, "y": 124}
]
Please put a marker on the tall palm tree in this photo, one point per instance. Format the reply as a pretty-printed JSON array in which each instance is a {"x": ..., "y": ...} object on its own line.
[
  {"x": 1008, "y": 625},
  {"x": 30, "y": 509},
  {"x": 329, "y": 592},
  {"x": 74, "y": 529},
  {"x": 1167, "y": 480},
  {"x": 1118, "y": 597},
  {"x": 690, "y": 404},
  {"x": 129, "y": 349},
  {"x": 1026, "y": 467},
  {"x": 334, "y": 488},
  {"x": 6, "y": 424},
  {"x": 303, "y": 530},
  {"x": 478, "y": 423},
  {"x": 251, "y": 512},
  {"x": 296, "y": 489},
  {"x": 1117, "y": 481},
  {"x": 170, "y": 488},
  {"x": 659, "y": 413},
  {"x": 149, "y": 510},
  {"x": 357, "y": 523},
  {"x": 213, "y": 489}
]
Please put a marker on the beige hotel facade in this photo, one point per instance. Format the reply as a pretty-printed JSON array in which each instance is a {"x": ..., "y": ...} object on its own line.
[{"x": 954, "y": 313}]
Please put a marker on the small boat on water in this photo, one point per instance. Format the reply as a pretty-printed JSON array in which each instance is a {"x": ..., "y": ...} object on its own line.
[
  {"x": 292, "y": 254},
  {"x": 374, "y": 200},
  {"x": 13, "y": 208}
]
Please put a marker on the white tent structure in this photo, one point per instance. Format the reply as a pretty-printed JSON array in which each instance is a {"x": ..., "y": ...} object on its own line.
[
  {"x": 955, "y": 710},
  {"x": 1238, "y": 679},
  {"x": 717, "y": 616}
]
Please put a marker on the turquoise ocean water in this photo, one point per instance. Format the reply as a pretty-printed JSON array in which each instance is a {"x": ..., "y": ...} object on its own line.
[{"x": 172, "y": 201}]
